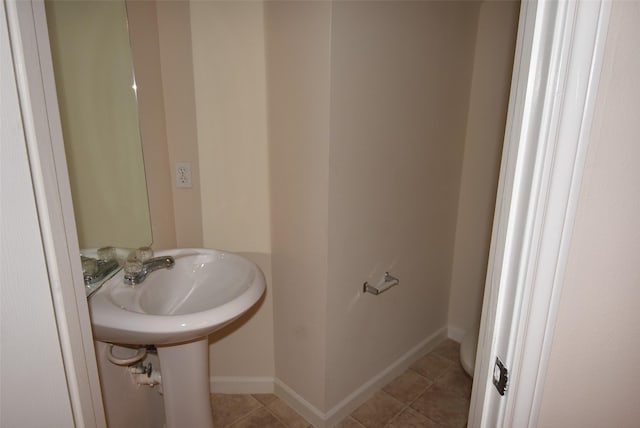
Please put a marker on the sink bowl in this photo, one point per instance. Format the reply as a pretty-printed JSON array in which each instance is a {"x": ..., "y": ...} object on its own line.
[{"x": 205, "y": 290}]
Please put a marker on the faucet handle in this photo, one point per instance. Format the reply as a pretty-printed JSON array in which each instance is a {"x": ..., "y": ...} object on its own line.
[
  {"x": 89, "y": 265},
  {"x": 133, "y": 265},
  {"x": 106, "y": 254},
  {"x": 144, "y": 253}
]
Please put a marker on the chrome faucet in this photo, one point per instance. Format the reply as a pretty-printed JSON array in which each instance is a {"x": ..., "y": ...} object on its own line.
[
  {"x": 95, "y": 270},
  {"x": 136, "y": 271}
]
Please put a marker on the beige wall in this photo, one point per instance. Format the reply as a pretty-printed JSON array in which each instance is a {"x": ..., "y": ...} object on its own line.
[
  {"x": 161, "y": 44},
  {"x": 176, "y": 64},
  {"x": 593, "y": 379},
  {"x": 400, "y": 83},
  {"x": 492, "y": 68},
  {"x": 298, "y": 52},
  {"x": 229, "y": 73},
  {"x": 366, "y": 141}
]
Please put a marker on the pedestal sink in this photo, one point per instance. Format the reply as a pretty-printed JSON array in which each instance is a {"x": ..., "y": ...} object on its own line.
[{"x": 175, "y": 310}]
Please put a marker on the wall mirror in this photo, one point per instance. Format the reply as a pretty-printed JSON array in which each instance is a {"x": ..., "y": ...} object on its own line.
[{"x": 96, "y": 90}]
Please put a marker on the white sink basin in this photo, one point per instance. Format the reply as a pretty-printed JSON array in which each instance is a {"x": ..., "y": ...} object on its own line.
[{"x": 205, "y": 290}]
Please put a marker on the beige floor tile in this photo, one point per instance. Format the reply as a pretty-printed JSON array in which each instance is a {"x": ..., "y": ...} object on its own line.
[
  {"x": 436, "y": 387},
  {"x": 442, "y": 407},
  {"x": 431, "y": 366},
  {"x": 407, "y": 387},
  {"x": 286, "y": 414},
  {"x": 412, "y": 419},
  {"x": 448, "y": 349},
  {"x": 261, "y": 418},
  {"x": 349, "y": 422},
  {"x": 264, "y": 398},
  {"x": 228, "y": 408},
  {"x": 378, "y": 410},
  {"x": 456, "y": 381}
]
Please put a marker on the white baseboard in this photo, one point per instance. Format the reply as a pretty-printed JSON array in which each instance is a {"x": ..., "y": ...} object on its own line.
[
  {"x": 241, "y": 384},
  {"x": 366, "y": 391},
  {"x": 361, "y": 394},
  {"x": 455, "y": 333},
  {"x": 313, "y": 415},
  {"x": 305, "y": 409}
]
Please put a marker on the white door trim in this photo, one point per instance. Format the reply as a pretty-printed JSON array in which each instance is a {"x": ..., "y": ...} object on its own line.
[
  {"x": 558, "y": 60},
  {"x": 38, "y": 102}
]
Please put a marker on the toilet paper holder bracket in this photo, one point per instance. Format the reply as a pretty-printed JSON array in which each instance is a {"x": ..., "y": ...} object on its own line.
[{"x": 385, "y": 283}]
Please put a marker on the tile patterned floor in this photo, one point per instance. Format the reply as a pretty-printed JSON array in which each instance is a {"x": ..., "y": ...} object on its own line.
[
  {"x": 253, "y": 411},
  {"x": 433, "y": 392}
]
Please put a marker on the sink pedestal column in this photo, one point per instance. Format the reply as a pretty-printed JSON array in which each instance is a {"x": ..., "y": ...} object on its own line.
[{"x": 185, "y": 384}]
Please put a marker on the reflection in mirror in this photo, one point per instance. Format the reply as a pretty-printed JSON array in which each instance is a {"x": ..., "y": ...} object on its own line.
[{"x": 98, "y": 108}]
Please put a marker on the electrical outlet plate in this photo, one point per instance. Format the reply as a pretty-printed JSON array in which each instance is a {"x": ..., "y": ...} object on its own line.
[{"x": 183, "y": 174}]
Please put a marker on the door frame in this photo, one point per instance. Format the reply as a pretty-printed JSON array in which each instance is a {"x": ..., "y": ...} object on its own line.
[
  {"x": 558, "y": 59},
  {"x": 559, "y": 54},
  {"x": 33, "y": 72}
]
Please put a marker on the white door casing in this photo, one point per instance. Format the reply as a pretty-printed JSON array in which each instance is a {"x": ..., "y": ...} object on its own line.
[
  {"x": 557, "y": 67},
  {"x": 31, "y": 363},
  {"x": 33, "y": 73}
]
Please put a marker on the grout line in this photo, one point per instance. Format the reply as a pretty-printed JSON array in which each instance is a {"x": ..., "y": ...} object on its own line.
[
  {"x": 275, "y": 397},
  {"x": 444, "y": 372},
  {"x": 431, "y": 383},
  {"x": 246, "y": 415},
  {"x": 406, "y": 406},
  {"x": 395, "y": 399},
  {"x": 418, "y": 397},
  {"x": 356, "y": 421},
  {"x": 276, "y": 416},
  {"x": 282, "y": 421}
]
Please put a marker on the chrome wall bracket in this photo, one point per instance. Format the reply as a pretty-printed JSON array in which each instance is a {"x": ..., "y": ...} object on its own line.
[{"x": 385, "y": 283}]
